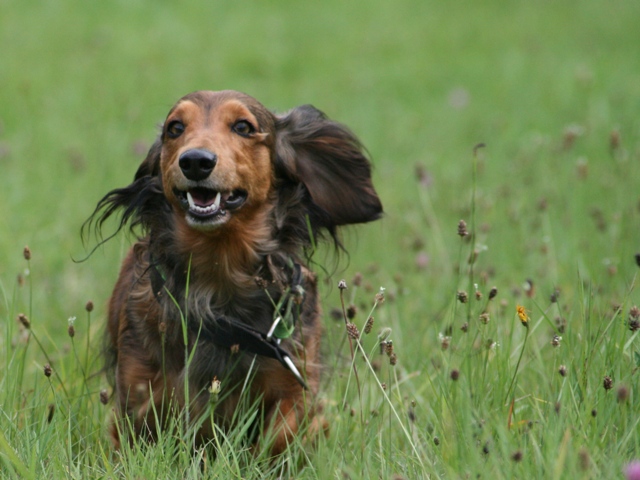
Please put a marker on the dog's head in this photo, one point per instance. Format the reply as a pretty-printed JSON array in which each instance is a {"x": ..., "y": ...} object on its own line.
[
  {"x": 214, "y": 157},
  {"x": 222, "y": 157}
]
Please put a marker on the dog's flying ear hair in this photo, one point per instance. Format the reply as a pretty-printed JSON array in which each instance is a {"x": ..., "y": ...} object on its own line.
[
  {"x": 142, "y": 202},
  {"x": 329, "y": 160}
]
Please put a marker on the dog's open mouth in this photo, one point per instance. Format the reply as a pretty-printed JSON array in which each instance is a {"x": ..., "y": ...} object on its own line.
[{"x": 206, "y": 204}]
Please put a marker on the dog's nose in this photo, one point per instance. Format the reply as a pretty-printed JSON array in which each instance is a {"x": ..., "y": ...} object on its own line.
[{"x": 197, "y": 164}]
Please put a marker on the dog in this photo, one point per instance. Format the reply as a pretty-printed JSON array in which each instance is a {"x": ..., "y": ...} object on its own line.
[{"x": 215, "y": 300}]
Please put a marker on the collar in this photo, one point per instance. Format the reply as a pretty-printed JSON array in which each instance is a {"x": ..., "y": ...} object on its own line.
[{"x": 227, "y": 333}]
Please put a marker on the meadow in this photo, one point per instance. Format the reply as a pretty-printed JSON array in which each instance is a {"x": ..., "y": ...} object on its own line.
[{"x": 515, "y": 346}]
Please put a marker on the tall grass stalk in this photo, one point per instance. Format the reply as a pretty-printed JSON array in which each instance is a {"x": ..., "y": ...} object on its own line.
[
  {"x": 524, "y": 320},
  {"x": 342, "y": 286}
]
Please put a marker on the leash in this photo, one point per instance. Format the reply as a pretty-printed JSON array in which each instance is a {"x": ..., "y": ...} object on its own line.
[{"x": 226, "y": 333}]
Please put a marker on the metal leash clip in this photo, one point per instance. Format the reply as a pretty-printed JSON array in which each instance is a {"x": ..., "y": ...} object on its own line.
[
  {"x": 287, "y": 360},
  {"x": 273, "y": 329}
]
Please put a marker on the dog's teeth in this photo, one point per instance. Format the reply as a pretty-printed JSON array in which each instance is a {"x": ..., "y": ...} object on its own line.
[
  {"x": 204, "y": 210},
  {"x": 192, "y": 204}
]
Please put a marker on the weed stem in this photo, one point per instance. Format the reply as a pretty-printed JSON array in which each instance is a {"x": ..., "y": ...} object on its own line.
[
  {"x": 353, "y": 358},
  {"x": 526, "y": 336}
]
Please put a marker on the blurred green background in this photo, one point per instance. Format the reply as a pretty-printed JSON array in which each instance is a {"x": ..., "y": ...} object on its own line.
[{"x": 551, "y": 87}]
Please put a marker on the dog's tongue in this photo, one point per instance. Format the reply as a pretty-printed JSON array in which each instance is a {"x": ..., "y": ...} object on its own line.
[{"x": 203, "y": 197}]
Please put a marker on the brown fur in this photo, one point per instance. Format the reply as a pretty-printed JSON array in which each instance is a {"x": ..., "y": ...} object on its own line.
[{"x": 301, "y": 176}]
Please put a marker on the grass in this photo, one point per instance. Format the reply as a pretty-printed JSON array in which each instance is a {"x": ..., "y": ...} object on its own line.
[{"x": 551, "y": 204}]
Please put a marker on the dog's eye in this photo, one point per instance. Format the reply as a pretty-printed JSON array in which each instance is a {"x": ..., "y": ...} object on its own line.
[
  {"x": 243, "y": 128},
  {"x": 175, "y": 129}
]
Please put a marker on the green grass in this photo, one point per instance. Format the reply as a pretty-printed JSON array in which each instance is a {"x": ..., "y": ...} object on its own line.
[{"x": 544, "y": 84}]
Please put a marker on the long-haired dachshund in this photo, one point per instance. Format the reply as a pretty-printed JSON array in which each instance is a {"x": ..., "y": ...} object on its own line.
[{"x": 229, "y": 199}]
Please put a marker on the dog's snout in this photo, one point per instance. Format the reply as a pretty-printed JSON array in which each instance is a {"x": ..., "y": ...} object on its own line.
[{"x": 197, "y": 164}]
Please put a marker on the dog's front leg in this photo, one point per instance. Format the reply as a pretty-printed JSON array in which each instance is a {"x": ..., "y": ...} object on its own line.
[{"x": 292, "y": 417}]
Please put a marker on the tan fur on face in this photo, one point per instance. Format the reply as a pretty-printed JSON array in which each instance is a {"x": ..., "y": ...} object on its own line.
[{"x": 242, "y": 163}]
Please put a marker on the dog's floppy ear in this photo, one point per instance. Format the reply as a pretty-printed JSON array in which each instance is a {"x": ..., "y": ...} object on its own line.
[
  {"x": 151, "y": 164},
  {"x": 329, "y": 160}
]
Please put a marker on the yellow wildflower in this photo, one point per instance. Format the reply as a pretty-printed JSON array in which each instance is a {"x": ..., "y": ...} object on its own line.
[{"x": 522, "y": 314}]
